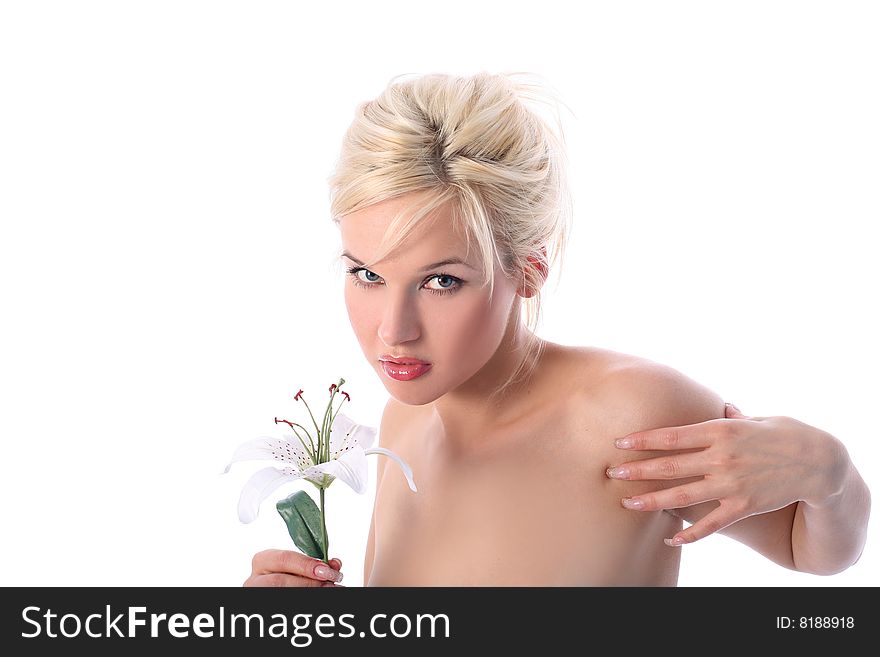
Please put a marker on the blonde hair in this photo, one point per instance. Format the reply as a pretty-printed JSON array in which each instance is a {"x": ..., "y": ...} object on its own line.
[{"x": 472, "y": 142}]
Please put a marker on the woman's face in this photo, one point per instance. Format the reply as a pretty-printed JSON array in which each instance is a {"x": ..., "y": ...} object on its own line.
[{"x": 406, "y": 307}]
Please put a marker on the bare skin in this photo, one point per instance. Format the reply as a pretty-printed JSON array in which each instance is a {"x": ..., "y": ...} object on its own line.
[
  {"x": 530, "y": 503},
  {"x": 528, "y": 490}
]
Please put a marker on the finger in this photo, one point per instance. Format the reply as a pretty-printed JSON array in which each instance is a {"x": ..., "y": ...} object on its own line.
[
  {"x": 283, "y": 579},
  {"x": 720, "y": 517},
  {"x": 672, "y": 498},
  {"x": 335, "y": 563},
  {"x": 691, "y": 464},
  {"x": 293, "y": 563},
  {"x": 688, "y": 436},
  {"x": 732, "y": 411}
]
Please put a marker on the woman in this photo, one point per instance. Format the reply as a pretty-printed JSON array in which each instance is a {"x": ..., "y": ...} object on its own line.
[{"x": 450, "y": 194}]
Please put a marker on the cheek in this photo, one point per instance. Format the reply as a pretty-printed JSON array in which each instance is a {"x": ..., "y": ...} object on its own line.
[
  {"x": 472, "y": 328},
  {"x": 359, "y": 312}
]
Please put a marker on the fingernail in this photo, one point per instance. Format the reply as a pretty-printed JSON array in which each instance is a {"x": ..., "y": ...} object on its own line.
[
  {"x": 632, "y": 503},
  {"x": 617, "y": 473},
  {"x": 327, "y": 572},
  {"x": 675, "y": 541},
  {"x": 623, "y": 443}
]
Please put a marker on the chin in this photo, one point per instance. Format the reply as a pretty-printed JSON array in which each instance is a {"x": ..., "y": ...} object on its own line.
[
  {"x": 409, "y": 397},
  {"x": 410, "y": 393}
]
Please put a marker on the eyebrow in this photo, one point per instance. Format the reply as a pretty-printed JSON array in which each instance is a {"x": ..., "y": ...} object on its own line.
[{"x": 448, "y": 261}]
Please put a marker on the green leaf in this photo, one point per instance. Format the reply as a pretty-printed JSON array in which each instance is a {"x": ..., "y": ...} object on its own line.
[{"x": 303, "y": 519}]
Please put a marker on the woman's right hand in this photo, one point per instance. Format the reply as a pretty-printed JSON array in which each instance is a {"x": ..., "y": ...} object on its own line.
[{"x": 290, "y": 568}]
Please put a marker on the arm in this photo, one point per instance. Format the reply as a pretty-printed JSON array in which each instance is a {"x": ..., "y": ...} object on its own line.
[
  {"x": 829, "y": 531},
  {"x": 783, "y": 488},
  {"x": 823, "y": 532}
]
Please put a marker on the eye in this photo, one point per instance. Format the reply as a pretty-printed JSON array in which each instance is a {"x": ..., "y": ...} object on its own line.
[
  {"x": 354, "y": 271},
  {"x": 448, "y": 284}
]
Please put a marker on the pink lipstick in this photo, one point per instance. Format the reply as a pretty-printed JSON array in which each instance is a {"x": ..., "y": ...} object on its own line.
[{"x": 403, "y": 369}]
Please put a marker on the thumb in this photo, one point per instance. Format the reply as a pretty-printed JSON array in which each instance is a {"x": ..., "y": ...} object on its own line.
[{"x": 732, "y": 411}]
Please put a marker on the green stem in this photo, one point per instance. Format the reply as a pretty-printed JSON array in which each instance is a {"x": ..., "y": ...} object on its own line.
[
  {"x": 326, "y": 426},
  {"x": 317, "y": 429},
  {"x": 329, "y": 417},
  {"x": 324, "y": 527},
  {"x": 333, "y": 417}
]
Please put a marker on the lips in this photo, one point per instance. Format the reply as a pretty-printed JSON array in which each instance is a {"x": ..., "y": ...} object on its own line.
[
  {"x": 405, "y": 371},
  {"x": 402, "y": 361}
]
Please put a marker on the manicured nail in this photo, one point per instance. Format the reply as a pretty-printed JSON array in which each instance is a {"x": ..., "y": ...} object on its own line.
[
  {"x": 675, "y": 541},
  {"x": 632, "y": 503},
  {"x": 327, "y": 572},
  {"x": 623, "y": 443},
  {"x": 617, "y": 473}
]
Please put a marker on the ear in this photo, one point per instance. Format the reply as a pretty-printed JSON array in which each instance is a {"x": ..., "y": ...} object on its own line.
[{"x": 539, "y": 262}]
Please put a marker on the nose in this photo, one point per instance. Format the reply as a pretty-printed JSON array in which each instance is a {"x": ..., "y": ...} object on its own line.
[{"x": 400, "y": 320}]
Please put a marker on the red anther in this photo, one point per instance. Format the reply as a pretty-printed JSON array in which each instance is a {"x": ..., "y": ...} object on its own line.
[
  {"x": 342, "y": 392},
  {"x": 296, "y": 398},
  {"x": 289, "y": 423},
  {"x": 332, "y": 386}
]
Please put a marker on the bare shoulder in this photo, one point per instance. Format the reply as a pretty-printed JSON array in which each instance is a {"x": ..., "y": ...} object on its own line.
[
  {"x": 660, "y": 395},
  {"x": 625, "y": 393},
  {"x": 388, "y": 425},
  {"x": 614, "y": 394},
  {"x": 395, "y": 417}
]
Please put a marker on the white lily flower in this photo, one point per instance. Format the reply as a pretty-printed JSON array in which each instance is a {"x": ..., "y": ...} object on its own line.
[{"x": 350, "y": 443}]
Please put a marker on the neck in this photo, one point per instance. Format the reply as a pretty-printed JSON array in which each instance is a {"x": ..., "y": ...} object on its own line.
[{"x": 467, "y": 411}]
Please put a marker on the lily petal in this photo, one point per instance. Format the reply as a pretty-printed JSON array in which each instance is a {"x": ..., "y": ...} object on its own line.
[
  {"x": 407, "y": 471},
  {"x": 259, "y": 486},
  {"x": 287, "y": 449},
  {"x": 345, "y": 434},
  {"x": 351, "y": 468},
  {"x": 364, "y": 435}
]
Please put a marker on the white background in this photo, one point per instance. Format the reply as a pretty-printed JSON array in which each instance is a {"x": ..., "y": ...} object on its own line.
[{"x": 166, "y": 249}]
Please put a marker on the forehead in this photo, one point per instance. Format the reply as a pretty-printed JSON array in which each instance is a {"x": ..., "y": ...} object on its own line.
[{"x": 362, "y": 233}]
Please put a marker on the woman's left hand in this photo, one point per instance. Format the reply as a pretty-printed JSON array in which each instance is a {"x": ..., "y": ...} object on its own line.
[{"x": 750, "y": 465}]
